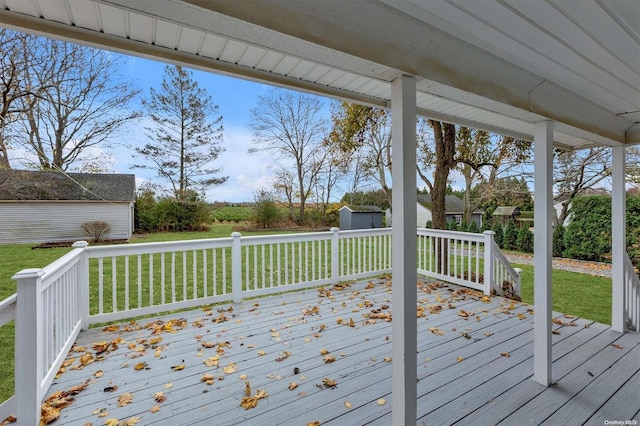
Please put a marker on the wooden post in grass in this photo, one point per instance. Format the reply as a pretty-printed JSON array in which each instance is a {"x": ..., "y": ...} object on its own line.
[
  {"x": 236, "y": 268},
  {"x": 28, "y": 354}
]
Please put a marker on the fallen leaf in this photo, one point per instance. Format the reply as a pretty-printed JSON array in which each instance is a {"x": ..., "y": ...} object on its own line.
[
  {"x": 98, "y": 373},
  {"x": 125, "y": 399},
  {"x": 387, "y": 359},
  {"x": 382, "y": 401},
  {"x": 247, "y": 388},
  {"x": 261, "y": 353},
  {"x": 329, "y": 383},
  {"x": 110, "y": 389},
  {"x": 488, "y": 334},
  {"x": 177, "y": 367},
  {"x": 155, "y": 409},
  {"x": 48, "y": 414},
  {"x": 615, "y": 345},
  {"x": 328, "y": 359},
  {"x": 242, "y": 377},
  {"x": 231, "y": 368},
  {"x": 111, "y": 422},
  {"x": 505, "y": 354},
  {"x": 168, "y": 385},
  {"x": 155, "y": 340},
  {"x": 261, "y": 393},
  {"x": 132, "y": 421},
  {"x": 293, "y": 385},
  {"x": 460, "y": 359},
  {"x": 140, "y": 366},
  {"x": 159, "y": 397},
  {"x": 323, "y": 351},
  {"x": 249, "y": 402},
  {"x": 313, "y": 424},
  {"x": 111, "y": 328},
  {"x": 347, "y": 404}
]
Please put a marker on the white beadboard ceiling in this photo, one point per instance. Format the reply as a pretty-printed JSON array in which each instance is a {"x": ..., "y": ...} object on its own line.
[{"x": 499, "y": 65}]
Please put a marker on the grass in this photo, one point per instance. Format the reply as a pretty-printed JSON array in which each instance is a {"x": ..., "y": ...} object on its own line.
[{"x": 578, "y": 294}]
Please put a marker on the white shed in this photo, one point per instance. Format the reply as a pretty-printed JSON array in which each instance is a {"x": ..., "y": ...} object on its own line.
[{"x": 38, "y": 207}]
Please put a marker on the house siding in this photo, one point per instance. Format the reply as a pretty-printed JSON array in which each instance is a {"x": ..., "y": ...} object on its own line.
[
  {"x": 423, "y": 216},
  {"x": 44, "y": 221}
]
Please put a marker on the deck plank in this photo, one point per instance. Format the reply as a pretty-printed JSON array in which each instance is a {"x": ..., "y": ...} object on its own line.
[{"x": 448, "y": 390}]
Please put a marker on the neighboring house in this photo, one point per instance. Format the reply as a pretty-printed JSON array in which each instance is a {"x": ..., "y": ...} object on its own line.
[
  {"x": 454, "y": 210},
  {"x": 40, "y": 207},
  {"x": 506, "y": 213},
  {"x": 360, "y": 217}
]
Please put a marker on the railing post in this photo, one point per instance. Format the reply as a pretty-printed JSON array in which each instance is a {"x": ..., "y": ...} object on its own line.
[
  {"x": 236, "y": 268},
  {"x": 517, "y": 282},
  {"x": 335, "y": 255},
  {"x": 83, "y": 284},
  {"x": 28, "y": 354},
  {"x": 488, "y": 261}
]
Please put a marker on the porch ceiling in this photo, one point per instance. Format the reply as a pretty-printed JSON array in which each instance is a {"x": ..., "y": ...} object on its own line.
[{"x": 499, "y": 65}]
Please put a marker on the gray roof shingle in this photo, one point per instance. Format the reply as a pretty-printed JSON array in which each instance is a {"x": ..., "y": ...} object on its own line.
[{"x": 23, "y": 185}]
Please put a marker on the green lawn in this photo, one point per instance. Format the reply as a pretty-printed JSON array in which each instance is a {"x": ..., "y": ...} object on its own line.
[{"x": 578, "y": 294}]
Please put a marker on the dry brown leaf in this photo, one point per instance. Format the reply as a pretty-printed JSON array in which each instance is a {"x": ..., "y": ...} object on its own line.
[
  {"x": 347, "y": 404},
  {"x": 132, "y": 421},
  {"x": 140, "y": 366},
  {"x": 328, "y": 359},
  {"x": 125, "y": 399},
  {"x": 615, "y": 345},
  {"x": 249, "y": 402},
  {"x": 177, "y": 367},
  {"x": 48, "y": 414},
  {"x": 231, "y": 368},
  {"x": 111, "y": 328},
  {"x": 351, "y": 322},
  {"x": 208, "y": 345},
  {"x": 329, "y": 383},
  {"x": 247, "y": 388},
  {"x": 159, "y": 397},
  {"x": 242, "y": 377},
  {"x": 206, "y": 377},
  {"x": 382, "y": 401},
  {"x": 387, "y": 359},
  {"x": 293, "y": 385},
  {"x": 168, "y": 385},
  {"x": 323, "y": 351},
  {"x": 261, "y": 393},
  {"x": 316, "y": 423},
  {"x": 98, "y": 374},
  {"x": 155, "y": 409},
  {"x": 460, "y": 359},
  {"x": 505, "y": 354},
  {"x": 111, "y": 422},
  {"x": 261, "y": 353}
]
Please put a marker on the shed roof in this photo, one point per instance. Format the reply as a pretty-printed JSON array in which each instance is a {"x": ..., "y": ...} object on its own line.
[
  {"x": 506, "y": 211},
  {"x": 23, "y": 185},
  {"x": 363, "y": 209}
]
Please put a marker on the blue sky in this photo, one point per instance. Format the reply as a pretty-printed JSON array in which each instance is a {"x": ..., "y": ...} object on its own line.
[{"x": 235, "y": 98}]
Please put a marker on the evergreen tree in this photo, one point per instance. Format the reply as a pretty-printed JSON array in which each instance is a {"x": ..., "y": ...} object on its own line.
[
  {"x": 499, "y": 235},
  {"x": 186, "y": 135},
  {"x": 525, "y": 240},
  {"x": 558, "y": 240},
  {"x": 510, "y": 241}
]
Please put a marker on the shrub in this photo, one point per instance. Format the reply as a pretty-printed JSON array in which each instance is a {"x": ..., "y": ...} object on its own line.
[
  {"x": 499, "y": 235},
  {"x": 429, "y": 224},
  {"x": 265, "y": 211},
  {"x": 233, "y": 214},
  {"x": 558, "y": 240},
  {"x": 97, "y": 229},
  {"x": 473, "y": 227},
  {"x": 525, "y": 240},
  {"x": 510, "y": 239},
  {"x": 452, "y": 225}
]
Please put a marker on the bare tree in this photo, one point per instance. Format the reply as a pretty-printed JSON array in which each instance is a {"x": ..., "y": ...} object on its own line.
[
  {"x": 73, "y": 101},
  {"x": 290, "y": 126},
  {"x": 187, "y": 132},
  {"x": 575, "y": 172}
]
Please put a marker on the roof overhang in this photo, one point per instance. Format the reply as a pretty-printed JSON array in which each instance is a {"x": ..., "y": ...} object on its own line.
[{"x": 500, "y": 66}]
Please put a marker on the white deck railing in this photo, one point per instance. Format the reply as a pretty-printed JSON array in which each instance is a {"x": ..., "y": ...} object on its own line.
[
  {"x": 108, "y": 283},
  {"x": 631, "y": 294}
]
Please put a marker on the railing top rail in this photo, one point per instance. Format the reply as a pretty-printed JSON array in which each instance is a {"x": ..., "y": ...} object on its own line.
[
  {"x": 7, "y": 309},
  {"x": 159, "y": 247},
  {"x": 369, "y": 231},
  {"x": 467, "y": 236},
  {"x": 60, "y": 265},
  {"x": 285, "y": 238}
]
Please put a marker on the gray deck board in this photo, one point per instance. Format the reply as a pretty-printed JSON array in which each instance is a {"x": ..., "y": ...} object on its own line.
[{"x": 448, "y": 390}]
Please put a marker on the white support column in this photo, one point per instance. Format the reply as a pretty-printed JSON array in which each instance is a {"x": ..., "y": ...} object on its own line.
[
  {"x": 404, "y": 237},
  {"x": 618, "y": 237},
  {"x": 542, "y": 213}
]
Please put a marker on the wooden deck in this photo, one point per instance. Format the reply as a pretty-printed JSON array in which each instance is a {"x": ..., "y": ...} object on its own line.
[{"x": 474, "y": 369}]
